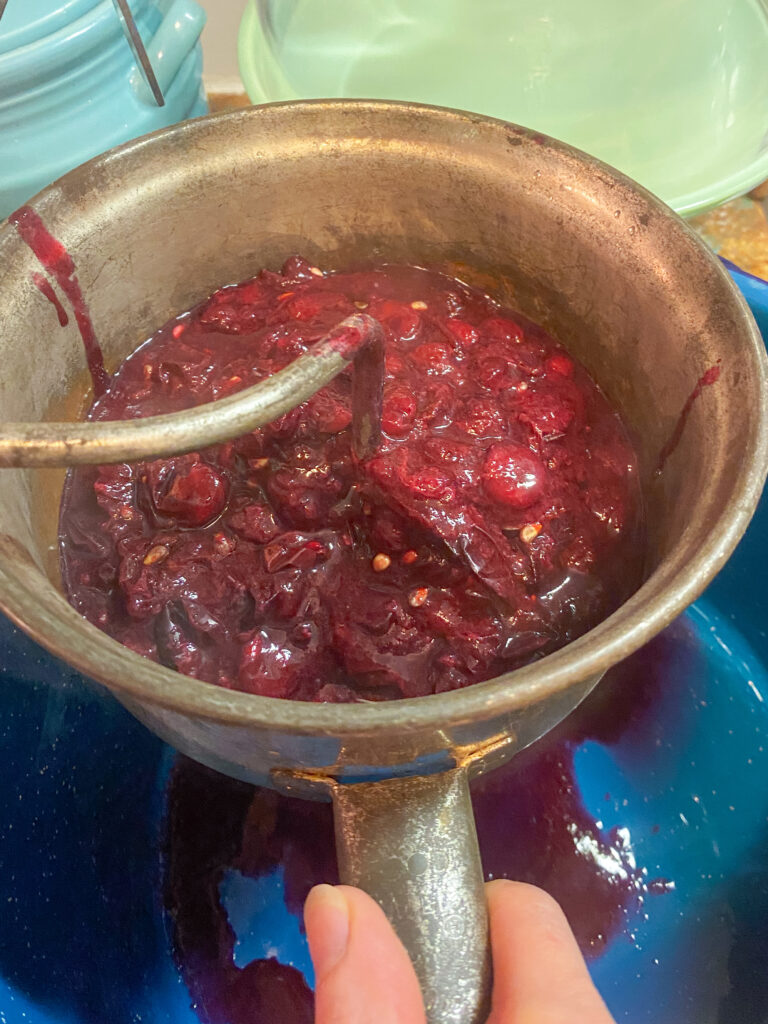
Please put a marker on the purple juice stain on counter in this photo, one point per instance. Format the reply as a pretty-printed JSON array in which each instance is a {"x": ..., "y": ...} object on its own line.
[
  {"x": 55, "y": 259},
  {"x": 532, "y": 824},
  {"x": 215, "y": 824},
  {"x": 534, "y": 827}
]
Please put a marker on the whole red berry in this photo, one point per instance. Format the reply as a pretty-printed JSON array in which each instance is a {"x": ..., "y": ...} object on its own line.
[
  {"x": 513, "y": 475},
  {"x": 399, "y": 410}
]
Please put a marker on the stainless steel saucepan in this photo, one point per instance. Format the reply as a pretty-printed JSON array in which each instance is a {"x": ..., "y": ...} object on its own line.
[{"x": 157, "y": 224}]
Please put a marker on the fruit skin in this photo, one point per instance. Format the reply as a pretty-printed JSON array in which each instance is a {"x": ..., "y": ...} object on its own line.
[
  {"x": 512, "y": 475},
  {"x": 497, "y": 521},
  {"x": 399, "y": 411},
  {"x": 195, "y": 497}
]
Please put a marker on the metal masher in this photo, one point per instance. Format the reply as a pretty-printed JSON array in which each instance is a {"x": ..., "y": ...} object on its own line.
[{"x": 357, "y": 339}]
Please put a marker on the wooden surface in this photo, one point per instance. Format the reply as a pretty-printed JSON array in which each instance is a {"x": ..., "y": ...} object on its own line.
[
  {"x": 739, "y": 231},
  {"x": 227, "y": 101}
]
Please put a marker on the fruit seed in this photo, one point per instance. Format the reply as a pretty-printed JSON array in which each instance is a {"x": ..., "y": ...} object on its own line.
[
  {"x": 158, "y": 553},
  {"x": 530, "y": 532}
]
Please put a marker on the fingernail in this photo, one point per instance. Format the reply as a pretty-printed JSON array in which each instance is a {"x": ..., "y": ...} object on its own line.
[{"x": 328, "y": 928}]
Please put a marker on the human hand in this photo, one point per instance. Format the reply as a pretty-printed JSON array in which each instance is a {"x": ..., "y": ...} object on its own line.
[{"x": 364, "y": 976}]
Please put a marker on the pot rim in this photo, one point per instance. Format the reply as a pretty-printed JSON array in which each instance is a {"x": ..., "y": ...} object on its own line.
[
  {"x": 265, "y": 82},
  {"x": 54, "y": 624}
]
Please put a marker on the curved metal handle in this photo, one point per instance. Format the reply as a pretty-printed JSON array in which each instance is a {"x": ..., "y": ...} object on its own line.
[
  {"x": 359, "y": 337},
  {"x": 411, "y": 843},
  {"x": 138, "y": 50},
  {"x": 169, "y": 47}
]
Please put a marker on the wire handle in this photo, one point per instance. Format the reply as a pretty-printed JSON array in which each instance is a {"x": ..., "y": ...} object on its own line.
[
  {"x": 138, "y": 49},
  {"x": 358, "y": 337}
]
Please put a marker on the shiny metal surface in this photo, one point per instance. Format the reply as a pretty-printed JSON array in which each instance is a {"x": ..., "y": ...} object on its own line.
[
  {"x": 136, "y": 44},
  {"x": 70, "y": 444},
  {"x": 158, "y": 224},
  {"x": 411, "y": 843}
]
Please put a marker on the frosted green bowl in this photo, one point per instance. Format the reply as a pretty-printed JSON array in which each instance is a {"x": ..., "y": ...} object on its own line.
[{"x": 672, "y": 92}]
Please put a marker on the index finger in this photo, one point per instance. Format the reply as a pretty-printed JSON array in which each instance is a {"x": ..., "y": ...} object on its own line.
[{"x": 540, "y": 976}]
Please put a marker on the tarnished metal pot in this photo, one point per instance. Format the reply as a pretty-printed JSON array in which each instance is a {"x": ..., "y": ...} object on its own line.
[{"x": 156, "y": 225}]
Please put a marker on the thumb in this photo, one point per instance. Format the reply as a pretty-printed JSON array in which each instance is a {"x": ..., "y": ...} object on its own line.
[{"x": 363, "y": 974}]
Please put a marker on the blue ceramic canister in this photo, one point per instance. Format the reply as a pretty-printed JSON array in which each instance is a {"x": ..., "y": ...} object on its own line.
[{"x": 70, "y": 87}]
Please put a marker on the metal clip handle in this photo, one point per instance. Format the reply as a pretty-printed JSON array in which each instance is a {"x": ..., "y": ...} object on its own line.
[
  {"x": 358, "y": 337},
  {"x": 136, "y": 44},
  {"x": 411, "y": 844}
]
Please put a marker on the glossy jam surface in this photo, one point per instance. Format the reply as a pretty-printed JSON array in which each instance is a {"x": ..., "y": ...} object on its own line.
[{"x": 498, "y": 519}]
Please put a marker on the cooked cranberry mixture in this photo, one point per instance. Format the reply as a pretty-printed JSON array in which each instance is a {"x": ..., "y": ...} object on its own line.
[{"x": 498, "y": 519}]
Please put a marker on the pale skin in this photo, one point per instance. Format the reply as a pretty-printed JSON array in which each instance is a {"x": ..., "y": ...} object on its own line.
[{"x": 364, "y": 976}]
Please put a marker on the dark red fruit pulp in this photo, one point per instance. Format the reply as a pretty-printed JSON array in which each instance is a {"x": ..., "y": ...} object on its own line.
[{"x": 503, "y": 499}]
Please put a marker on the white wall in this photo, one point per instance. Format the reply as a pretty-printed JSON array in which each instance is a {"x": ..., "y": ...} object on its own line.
[{"x": 220, "y": 44}]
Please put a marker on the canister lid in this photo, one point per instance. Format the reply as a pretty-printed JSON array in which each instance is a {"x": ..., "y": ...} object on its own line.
[{"x": 29, "y": 21}]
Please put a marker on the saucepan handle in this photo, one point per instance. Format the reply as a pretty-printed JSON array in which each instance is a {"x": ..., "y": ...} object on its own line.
[{"x": 411, "y": 843}]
